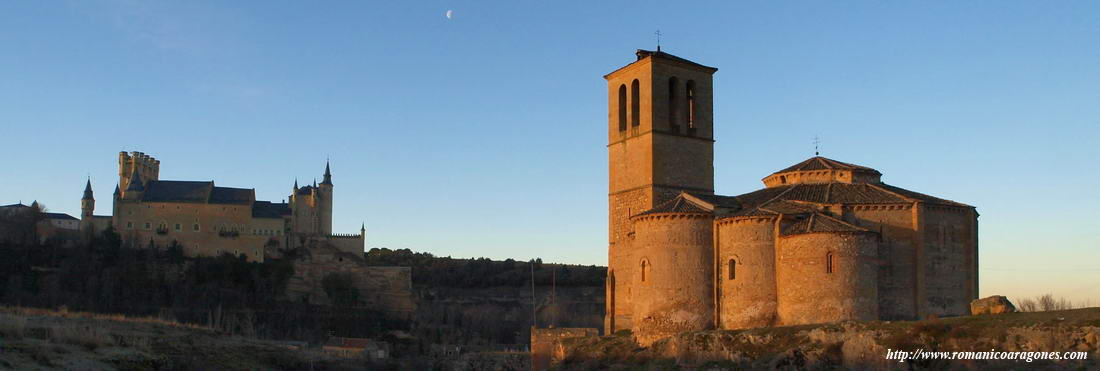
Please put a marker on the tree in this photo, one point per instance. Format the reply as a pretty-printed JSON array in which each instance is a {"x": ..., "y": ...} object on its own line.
[{"x": 340, "y": 287}]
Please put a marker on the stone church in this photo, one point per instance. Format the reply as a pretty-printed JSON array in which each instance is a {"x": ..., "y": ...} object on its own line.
[
  {"x": 823, "y": 240},
  {"x": 208, "y": 220}
]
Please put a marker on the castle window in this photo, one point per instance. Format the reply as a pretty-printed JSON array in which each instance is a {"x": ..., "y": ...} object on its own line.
[
  {"x": 829, "y": 263},
  {"x": 622, "y": 107},
  {"x": 195, "y": 227},
  {"x": 635, "y": 104},
  {"x": 691, "y": 106},
  {"x": 673, "y": 106},
  {"x": 129, "y": 225},
  {"x": 733, "y": 269},
  {"x": 645, "y": 269},
  {"x": 148, "y": 225},
  {"x": 179, "y": 227}
]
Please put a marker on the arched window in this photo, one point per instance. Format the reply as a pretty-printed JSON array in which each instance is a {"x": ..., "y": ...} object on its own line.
[
  {"x": 691, "y": 106},
  {"x": 645, "y": 269},
  {"x": 635, "y": 104},
  {"x": 673, "y": 105},
  {"x": 829, "y": 263},
  {"x": 733, "y": 269},
  {"x": 622, "y": 107}
]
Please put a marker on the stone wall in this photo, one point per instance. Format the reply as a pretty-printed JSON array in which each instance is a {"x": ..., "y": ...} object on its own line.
[
  {"x": 138, "y": 223},
  {"x": 546, "y": 344},
  {"x": 747, "y": 298},
  {"x": 673, "y": 293},
  {"x": 897, "y": 255},
  {"x": 811, "y": 290},
  {"x": 948, "y": 260}
]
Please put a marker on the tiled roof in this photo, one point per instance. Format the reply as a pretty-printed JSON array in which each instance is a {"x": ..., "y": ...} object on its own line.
[
  {"x": 19, "y": 205},
  {"x": 177, "y": 191},
  {"x": 642, "y": 54},
  {"x": 822, "y": 163},
  {"x": 920, "y": 196},
  {"x": 787, "y": 199},
  {"x": 678, "y": 205},
  {"x": 267, "y": 209},
  {"x": 305, "y": 190},
  {"x": 817, "y": 222}
]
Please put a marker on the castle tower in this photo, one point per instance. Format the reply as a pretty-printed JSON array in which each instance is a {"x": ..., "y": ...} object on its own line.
[
  {"x": 87, "y": 207},
  {"x": 137, "y": 162},
  {"x": 325, "y": 209},
  {"x": 660, "y": 142}
]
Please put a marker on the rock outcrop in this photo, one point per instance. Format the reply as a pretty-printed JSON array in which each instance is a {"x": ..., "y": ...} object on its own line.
[{"x": 995, "y": 304}]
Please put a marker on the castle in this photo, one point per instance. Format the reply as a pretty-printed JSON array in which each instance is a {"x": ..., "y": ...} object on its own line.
[
  {"x": 207, "y": 220},
  {"x": 823, "y": 241}
]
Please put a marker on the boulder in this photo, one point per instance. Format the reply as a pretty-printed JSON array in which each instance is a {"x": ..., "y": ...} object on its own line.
[{"x": 995, "y": 304}]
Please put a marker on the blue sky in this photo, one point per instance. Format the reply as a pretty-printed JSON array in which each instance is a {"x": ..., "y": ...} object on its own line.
[{"x": 483, "y": 134}]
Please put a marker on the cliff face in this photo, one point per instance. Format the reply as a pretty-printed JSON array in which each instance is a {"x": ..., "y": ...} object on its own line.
[
  {"x": 387, "y": 289},
  {"x": 501, "y": 317},
  {"x": 854, "y": 345}
]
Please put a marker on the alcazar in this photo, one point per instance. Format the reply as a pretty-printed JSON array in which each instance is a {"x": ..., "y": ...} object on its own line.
[{"x": 823, "y": 240}]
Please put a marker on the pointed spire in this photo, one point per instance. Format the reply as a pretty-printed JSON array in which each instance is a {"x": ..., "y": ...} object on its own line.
[
  {"x": 135, "y": 182},
  {"x": 117, "y": 191},
  {"x": 363, "y": 228},
  {"x": 295, "y": 184},
  {"x": 88, "y": 190},
  {"x": 314, "y": 182},
  {"x": 328, "y": 175},
  {"x": 34, "y": 204}
]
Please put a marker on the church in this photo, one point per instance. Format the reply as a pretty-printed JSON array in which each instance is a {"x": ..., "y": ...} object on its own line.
[
  {"x": 208, "y": 220},
  {"x": 823, "y": 241}
]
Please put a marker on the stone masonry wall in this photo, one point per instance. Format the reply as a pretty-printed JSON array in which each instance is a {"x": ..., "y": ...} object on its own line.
[
  {"x": 674, "y": 292},
  {"x": 897, "y": 256},
  {"x": 748, "y": 298},
  {"x": 948, "y": 266},
  {"x": 808, "y": 293}
]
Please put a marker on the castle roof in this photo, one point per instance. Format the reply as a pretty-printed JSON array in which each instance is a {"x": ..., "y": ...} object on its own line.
[
  {"x": 135, "y": 182},
  {"x": 59, "y": 216},
  {"x": 196, "y": 192},
  {"x": 818, "y": 222},
  {"x": 268, "y": 209},
  {"x": 822, "y": 163}
]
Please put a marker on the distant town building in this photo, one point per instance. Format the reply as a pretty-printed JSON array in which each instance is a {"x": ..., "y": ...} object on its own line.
[
  {"x": 57, "y": 226},
  {"x": 208, "y": 220},
  {"x": 823, "y": 241}
]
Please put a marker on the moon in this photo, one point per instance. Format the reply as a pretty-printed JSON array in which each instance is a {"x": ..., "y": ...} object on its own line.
[{"x": 450, "y": 13}]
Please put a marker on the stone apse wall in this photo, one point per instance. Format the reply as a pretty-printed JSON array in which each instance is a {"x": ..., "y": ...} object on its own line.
[
  {"x": 747, "y": 298},
  {"x": 673, "y": 291}
]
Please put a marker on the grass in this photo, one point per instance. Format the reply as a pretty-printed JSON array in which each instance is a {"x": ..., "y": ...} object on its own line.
[{"x": 63, "y": 312}]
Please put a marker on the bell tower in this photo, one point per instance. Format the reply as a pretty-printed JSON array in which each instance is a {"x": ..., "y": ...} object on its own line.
[{"x": 660, "y": 142}]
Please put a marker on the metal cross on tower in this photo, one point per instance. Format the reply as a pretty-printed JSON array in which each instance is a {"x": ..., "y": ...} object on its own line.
[
  {"x": 658, "y": 33},
  {"x": 816, "y": 143}
]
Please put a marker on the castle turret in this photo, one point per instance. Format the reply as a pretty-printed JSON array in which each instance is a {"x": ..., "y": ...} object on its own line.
[
  {"x": 325, "y": 204},
  {"x": 87, "y": 207}
]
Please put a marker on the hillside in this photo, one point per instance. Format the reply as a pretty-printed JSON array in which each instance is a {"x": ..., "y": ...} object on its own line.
[
  {"x": 42, "y": 339},
  {"x": 854, "y": 345}
]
